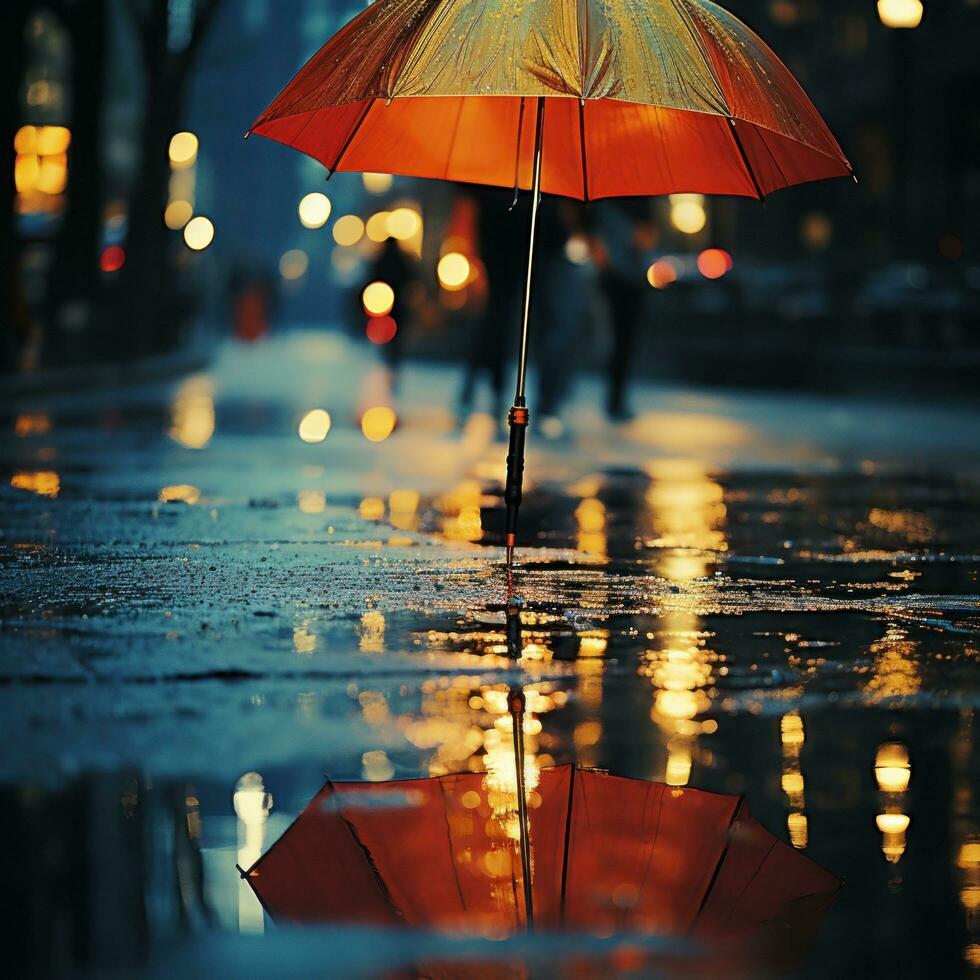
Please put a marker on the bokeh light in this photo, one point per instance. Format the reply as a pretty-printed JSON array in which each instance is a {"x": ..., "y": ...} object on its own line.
[
  {"x": 376, "y": 183},
  {"x": 381, "y": 329},
  {"x": 112, "y": 258},
  {"x": 377, "y": 226},
  {"x": 294, "y": 264},
  {"x": 713, "y": 263},
  {"x": 817, "y": 230},
  {"x": 900, "y": 13},
  {"x": 378, "y": 299},
  {"x": 314, "y": 210},
  {"x": 378, "y": 423},
  {"x": 199, "y": 233},
  {"x": 662, "y": 273},
  {"x": 687, "y": 213},
  {"x": 348, "y": 230},
  {"x": 314, "y": 425},
  {"x": 453, "y": 271},
  {"x": 404, "y": 223},
  {"x": 183, "y": 150},
  {"x": 177, "y": 215}
]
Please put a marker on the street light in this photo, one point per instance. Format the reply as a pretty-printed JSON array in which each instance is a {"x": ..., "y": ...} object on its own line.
[
  {"x": 900, "y": 13},
  {"x": 902, "y": 16}
]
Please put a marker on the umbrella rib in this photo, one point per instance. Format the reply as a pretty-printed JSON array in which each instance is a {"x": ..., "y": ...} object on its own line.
[
  {"x": 452, "y": 850},
  {"x": 653, "y": 843},
  {"x": 350, "y": 138},
  {"x": 721, "y": 861},
  {"x": 733, "y": 129},
  {"x": 755, "y": 874},
  {"x": 452, "y": 141},
  {"x": 517, "y": 153},
  {"x": 585, "y": 165},
  {"x": 373, "y": 867},
  {"x": 568, "y": 834}
]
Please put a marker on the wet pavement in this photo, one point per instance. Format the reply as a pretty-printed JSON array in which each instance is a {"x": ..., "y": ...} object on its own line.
[{"x": 757, "y": 594}]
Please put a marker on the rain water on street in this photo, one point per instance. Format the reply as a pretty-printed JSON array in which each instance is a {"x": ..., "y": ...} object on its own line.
[{"x": 212, "y": 600}]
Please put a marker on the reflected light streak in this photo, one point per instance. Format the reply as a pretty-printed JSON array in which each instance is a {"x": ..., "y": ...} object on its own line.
[
  {"x": 44, "y": 483},
  {"x": 252, "y": 806},
  {"x": 192, "y": 414}
]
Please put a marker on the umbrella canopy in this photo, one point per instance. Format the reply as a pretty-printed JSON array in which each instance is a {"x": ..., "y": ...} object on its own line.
[
  {"x": 610, "y": 855},
  {"x": 642, "y": 97},
  {"x": 582, "y": 98}
]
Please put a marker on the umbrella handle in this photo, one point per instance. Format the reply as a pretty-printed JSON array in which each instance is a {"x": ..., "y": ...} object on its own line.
[{"x": 514, "y": 488}]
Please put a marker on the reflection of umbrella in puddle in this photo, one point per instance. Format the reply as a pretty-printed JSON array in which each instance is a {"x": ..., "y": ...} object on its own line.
[
  {"x": 610, "y": 857},
  {"x": 581, "y": 99}
]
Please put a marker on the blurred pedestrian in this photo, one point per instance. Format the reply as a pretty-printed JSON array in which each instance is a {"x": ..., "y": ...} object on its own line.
[
  {"x": 503, "y": 262},
  {"x": 560, "y": 305},
  {"x": 392, "y": 266},
  {"x": 623, "y": 237},
  {"x": 252, "y": 295}
]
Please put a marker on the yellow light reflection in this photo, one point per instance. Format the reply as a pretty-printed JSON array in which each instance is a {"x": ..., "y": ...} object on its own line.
[
  {"x": 252, "y": 806},
  {"x": 44, "y": 483},
  {"x": 372, "y": 509},
  {"x": 192, "y": 414},
  {"x": 183, "y": 150},
  {"x": 177, "y": 215},
  {"x": 378, "y": 423},
  {"x": 311, "y": 501},
  {"x": 32, "y": 425},
  {"x": 895, "y": 670},
  {"x": 403, "y": 506},
  {"x": 180, "y": 492},
  {"x": 304, "y": 642},
  {"x": 892, "y": 769},
  {"x": 372, "y": 632}
]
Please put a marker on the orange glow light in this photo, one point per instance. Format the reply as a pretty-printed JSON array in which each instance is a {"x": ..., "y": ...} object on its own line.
[
  {"x": 713, "y": 263},
  {"x": 381, "y": 329},
  {"x": 661, "y": 274}
]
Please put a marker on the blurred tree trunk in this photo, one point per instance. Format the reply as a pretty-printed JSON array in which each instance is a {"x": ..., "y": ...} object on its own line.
[
  {"x": 13, "y": 23},
  {"x": 74, "y": 280},
  {"x": 148, "y": 311}
]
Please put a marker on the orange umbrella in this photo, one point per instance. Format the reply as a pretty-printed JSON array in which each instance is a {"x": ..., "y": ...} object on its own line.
[
  {"x": 611, "y": 856},
  {"x": 627, "y": 97}
]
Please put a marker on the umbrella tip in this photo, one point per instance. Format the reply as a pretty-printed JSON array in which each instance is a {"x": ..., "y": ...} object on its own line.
[{"x": 510, "y": 556}]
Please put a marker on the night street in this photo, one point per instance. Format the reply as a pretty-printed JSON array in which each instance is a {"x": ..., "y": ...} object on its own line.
[
  {"x": 745, "y": 592},
  {"x": 490, "y": 489}
]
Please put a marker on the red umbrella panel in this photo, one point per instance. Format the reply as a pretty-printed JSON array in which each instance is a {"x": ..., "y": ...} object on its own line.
[{"x": 609, "y": 855}]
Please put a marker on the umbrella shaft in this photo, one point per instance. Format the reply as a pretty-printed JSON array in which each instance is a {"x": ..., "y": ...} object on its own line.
[
  {"x": 517, "y": 716},
  {"x": 535, "y": 199}
]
